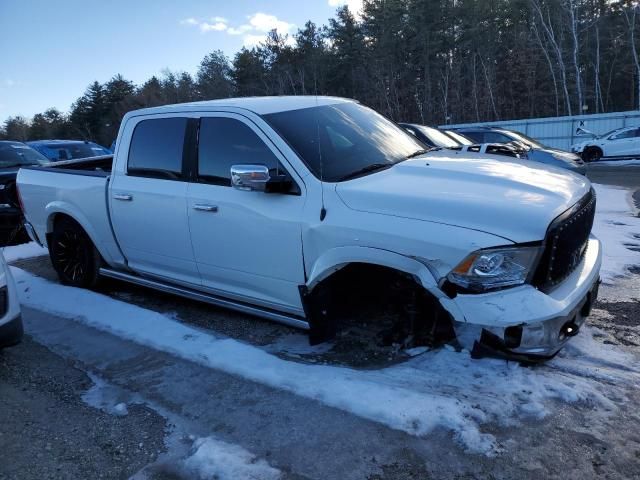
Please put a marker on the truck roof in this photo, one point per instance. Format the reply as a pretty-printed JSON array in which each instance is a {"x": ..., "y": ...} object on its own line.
[{"x": 258, "y": 105}]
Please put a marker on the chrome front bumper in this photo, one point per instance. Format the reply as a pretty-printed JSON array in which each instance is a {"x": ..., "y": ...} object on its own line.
[{"x": 526, "y": 323}]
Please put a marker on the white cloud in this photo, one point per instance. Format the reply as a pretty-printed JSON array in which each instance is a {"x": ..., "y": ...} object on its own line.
[
  {"x": 263, "y": 22},
  {"x": 354, "y": 5},
  {"x": 9, "y": 83},
  {"x": 216, "y": 24},
  {"x": 255, "y": 31},
  {"x": 213, "y": 27},
  {"x": 239, "y": 30},
  {"x": 253, "y": 40}
]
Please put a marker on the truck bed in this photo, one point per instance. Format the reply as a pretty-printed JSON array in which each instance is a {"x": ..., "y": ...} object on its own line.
[
  {"x": 96, "y": 166},
  {"x": 77, "y": 188}
]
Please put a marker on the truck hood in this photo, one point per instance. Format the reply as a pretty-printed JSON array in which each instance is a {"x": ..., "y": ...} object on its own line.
[{"x": 513, "y": 200}]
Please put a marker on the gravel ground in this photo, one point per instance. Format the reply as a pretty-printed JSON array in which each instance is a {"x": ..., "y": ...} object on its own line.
[{"x": 48, "y": 432}]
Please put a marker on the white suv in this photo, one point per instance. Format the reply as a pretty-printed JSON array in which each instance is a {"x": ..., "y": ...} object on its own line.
[{"x": 622, "y": 142}]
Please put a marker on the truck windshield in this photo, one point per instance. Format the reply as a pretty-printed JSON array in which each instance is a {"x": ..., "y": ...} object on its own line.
[
  {"x": 17, "y": 154},
  {"x": 339, "y": 142}
]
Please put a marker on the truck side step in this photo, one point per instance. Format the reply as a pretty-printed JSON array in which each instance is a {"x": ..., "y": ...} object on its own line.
[{"x": 289, "y": 320}]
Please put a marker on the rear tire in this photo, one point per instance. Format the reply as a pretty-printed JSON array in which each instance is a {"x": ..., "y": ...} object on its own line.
[
  {"x": 592, "y": 154},
  {"x": 73, "y": 255}
]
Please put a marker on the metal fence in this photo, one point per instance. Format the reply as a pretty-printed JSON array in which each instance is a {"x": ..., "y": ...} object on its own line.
[{"x": 560, "y": 132}]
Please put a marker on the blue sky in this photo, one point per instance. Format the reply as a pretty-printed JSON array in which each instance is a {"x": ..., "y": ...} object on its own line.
[{"x": 53, "y": 49}]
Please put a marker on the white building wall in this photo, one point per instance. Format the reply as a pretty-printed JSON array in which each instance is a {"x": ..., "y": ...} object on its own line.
[{"x": 560, "y": 132}]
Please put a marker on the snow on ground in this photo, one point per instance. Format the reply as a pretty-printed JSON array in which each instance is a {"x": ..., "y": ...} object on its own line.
[
  {"x": 608, "y": 163},
  {"x": 106, "y": 397},
  {"x": 208, "y": 458},
  {"x": 26, "y": 250},
  {"x": 440, "y": 388},
  {"x": 211, "y": 458},
  {"x": 618, "y": 229}
]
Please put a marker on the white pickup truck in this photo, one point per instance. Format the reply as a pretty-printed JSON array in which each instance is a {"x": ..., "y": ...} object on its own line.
[{"x": 297, "y": 208}]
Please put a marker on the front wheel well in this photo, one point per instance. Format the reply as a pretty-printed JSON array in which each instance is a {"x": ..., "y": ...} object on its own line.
[
  {"x": 390, "y": 303},
  {"x": 592, "y": 152}
]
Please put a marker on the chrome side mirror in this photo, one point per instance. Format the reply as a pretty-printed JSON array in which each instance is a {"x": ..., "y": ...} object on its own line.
[{"x": 250, "y": 177}]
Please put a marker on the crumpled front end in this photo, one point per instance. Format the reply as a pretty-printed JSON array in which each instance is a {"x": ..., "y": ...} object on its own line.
[{"x": 527, "y": 323}]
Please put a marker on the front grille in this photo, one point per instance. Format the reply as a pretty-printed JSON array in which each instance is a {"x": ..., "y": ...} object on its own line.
[{"x": 566, "y": 243}]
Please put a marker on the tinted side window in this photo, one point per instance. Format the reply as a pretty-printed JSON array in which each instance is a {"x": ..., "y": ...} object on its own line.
[
  {"x": 156, "y": 148},
  {"x": 625, "y": 134},
  {"x": 495, "y": 137},
  {"x": 477, "y": 137},
  {"x": 224, "y": 142}
]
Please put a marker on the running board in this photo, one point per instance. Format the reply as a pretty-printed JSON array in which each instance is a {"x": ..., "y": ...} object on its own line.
[{"x": 283, "y": 318}]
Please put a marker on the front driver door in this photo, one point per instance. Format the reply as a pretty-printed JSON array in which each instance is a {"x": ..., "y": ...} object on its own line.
[{"x": 247, "y": 244}]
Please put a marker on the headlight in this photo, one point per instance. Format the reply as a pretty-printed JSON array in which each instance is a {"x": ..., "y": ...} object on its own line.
[{"x": 495, "y": 268}]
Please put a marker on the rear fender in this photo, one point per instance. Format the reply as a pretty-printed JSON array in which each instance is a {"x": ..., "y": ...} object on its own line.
[{"x": 58, "y": 207}]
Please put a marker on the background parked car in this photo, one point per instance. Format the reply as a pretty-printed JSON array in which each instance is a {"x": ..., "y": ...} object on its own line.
[
  {"x": 68, "y": 149},
  {"x": 433, "y": 137},
  {"x": 618, "y": 143},
  {"x": 533, "y": 149},
  {"x": 13, "y": 155}
]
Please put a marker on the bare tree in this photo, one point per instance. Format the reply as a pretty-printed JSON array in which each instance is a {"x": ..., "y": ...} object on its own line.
[
  {"x": 630, "y": 17},
  {"x": 572, "y": 8},
  {"x": 547, "y": 26}
]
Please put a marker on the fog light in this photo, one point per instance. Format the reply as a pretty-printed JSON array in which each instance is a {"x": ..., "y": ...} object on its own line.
[{"x": 569, "y": 329}]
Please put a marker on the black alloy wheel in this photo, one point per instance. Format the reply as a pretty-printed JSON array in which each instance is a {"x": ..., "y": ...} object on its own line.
[{"x": 73, "y": 255}]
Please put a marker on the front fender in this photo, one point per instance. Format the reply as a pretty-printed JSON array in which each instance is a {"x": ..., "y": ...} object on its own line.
[{"x": 336, "y": 258}]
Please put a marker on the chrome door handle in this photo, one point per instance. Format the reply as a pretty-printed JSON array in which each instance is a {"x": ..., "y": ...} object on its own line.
[
  {"x": 205, "y": 208},
  {"x": 123, "y": 196}
]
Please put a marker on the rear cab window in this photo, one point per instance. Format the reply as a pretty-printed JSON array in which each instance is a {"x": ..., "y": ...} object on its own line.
[{"x": 157, "y": 147}]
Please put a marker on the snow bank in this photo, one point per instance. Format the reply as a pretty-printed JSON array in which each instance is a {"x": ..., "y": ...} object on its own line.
[
  {"x": 213, "y": 458},
  {"x": 622, "y": 163},
  {"x": 439, "y": 389},
  {"x": 26, "y": 250},
  {"x": 618, "y": 229}
]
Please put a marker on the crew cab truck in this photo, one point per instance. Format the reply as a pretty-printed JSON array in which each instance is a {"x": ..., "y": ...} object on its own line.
[{"x": 293, "y": 208}]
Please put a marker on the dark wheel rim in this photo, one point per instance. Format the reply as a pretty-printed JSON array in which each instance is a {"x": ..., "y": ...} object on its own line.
[
  {"x": 71, "y": 255},
  {"x": 593, "y": 155}
]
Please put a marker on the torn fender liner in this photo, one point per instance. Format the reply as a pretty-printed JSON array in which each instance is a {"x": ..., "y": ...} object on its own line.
[{"x": 322, "y": 324}]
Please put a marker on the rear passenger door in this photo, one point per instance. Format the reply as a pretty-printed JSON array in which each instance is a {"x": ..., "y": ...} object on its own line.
[
  {"x": 247, "y": 244},
  {"x": 149, "y": 200}
]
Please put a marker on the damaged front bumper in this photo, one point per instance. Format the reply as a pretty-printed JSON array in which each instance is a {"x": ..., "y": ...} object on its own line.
[{"x": 525, "y": 323}]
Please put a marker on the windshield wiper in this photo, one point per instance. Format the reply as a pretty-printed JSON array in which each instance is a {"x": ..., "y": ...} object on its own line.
[
  {"x": 417, "y": 153},
  {"x": 368, "y": 169}
]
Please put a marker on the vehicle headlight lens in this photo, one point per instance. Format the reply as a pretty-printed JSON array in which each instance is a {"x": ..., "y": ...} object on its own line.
[{"x": 495, "y": 268}]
